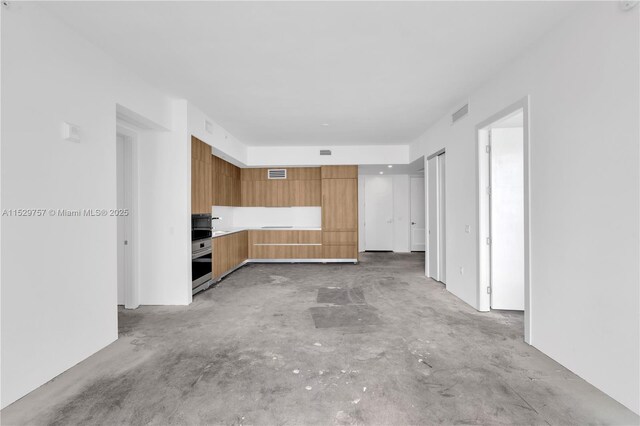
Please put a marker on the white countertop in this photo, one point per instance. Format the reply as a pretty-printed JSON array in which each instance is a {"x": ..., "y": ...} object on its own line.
[{"x": 227, "y": 231}]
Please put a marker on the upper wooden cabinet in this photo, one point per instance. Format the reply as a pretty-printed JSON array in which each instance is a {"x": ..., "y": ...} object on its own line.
[
  {"x": 305, "y": 193},
  {"x": 339, "y": 204},
  {"x": 225, "y": 178},
  {"x": 302, "y": 187},
  {"x": 200, "y": 176},
  {"x": 293, "y": 173},
  {"x": 339, "y": 172}
]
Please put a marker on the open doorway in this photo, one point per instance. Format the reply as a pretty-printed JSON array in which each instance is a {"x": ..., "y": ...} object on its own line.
[
  {"x": 436, "y": 208},
  {"x": 503, "y": 222},
  {"x": 126, "y": 171}
]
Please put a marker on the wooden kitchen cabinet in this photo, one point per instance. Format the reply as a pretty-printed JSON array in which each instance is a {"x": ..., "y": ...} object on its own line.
[
  {"x": 225, "y": 178},
  {"x": 340, "y": 252},
  {"x": 274, "y": 193},
  {"x": 200, "y": 176},
  {"x": 339, "y": 172},
  {"x": 285, "y": 244},
  {"x": 340, "y": 212},
  {"x": 340, "y": 204},
  {"x": 229, "y": 251},
  {"x": 301, "y": 188},
  {"x": 305, "y": 193}
]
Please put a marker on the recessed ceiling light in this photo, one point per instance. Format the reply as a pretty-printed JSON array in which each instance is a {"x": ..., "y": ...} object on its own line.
[
  {"x": 381, "y": 173},
  {"x": 325, "y": 124},
  {"x": 389, "y": 166}
]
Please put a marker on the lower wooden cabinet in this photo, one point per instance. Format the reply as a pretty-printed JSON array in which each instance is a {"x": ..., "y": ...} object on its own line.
[
  {"x": 339, "y": 238},
  {"x": 285, "y": 244},
  {"x": 339, "y": 244},
  {"x": 296, "y": 244},
  {"x": 340, "y": 251},
  {"x": 229, "y": 251}
]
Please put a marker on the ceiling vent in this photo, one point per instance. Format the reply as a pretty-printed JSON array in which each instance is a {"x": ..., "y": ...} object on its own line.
[
  {"x": 460, "y": 113},
  {"x": 277, "y": 174},
  {"x": 325, "y": 152}
]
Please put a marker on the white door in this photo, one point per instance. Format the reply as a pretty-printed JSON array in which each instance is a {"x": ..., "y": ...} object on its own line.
[
  {"x": 378, "y": 212},
  {"x": 433, "y": 228},
  {"x": 507, "y": 219},
  {"x": 418, "y": 230},
  {"x": 441, "y": 219}
]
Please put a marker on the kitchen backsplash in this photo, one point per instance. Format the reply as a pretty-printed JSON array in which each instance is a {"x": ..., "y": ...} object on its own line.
[{"x": 233, "y": 217}]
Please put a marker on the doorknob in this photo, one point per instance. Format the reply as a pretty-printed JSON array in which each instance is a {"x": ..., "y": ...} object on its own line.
[{"x": 413, "y": 223}]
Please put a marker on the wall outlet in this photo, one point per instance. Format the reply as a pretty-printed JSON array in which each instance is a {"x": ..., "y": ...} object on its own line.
[
  {"x": 467, "y": 229},
  {"x": 70, "y": 132},
  {"x": 461, "y": 270}
]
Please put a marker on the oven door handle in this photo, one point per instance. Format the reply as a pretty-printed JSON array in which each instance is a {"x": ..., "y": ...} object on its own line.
[{"x": 200, "y": 253}]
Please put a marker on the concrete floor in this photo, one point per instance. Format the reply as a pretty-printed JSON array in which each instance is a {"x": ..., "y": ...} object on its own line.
[{"x": 375, "y": 343}]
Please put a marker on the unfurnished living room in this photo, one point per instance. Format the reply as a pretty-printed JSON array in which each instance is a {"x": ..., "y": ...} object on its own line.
[{"x": 320, "y": 213}]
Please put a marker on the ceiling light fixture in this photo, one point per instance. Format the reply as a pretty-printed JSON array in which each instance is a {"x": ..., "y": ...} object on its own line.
[
  {"x": 389, "y": 166},
  {"x": 381, "y": 173},
  {"x": 325, "y": 124}
]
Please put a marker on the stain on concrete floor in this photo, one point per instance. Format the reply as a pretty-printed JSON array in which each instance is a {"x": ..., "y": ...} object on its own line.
[
  {"x": 341, "y": 296},
  {"x": 249, "y": 352},
  {"x": 344, "y": 316}
]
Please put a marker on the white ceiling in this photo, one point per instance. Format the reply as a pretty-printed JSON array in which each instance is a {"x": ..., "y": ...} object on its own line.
[{"x": 272, "y": 72}]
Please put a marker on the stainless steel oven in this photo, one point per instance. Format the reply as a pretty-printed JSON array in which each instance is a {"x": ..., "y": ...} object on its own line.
[
  {"x": 201, "y": 266},
  {"x": 200, "y": 226},
  {"x": 201, "y": 259}
]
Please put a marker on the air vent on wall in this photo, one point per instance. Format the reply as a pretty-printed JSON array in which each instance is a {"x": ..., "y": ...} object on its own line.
[
  {"x": 277, "y": 174},
  {"x": 460, "y": 113},
  {"x": 325, "y": 152}
]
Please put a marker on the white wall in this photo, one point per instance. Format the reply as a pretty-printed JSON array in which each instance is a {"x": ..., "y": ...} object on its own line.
[
  {"x": 582, "y": 79},
  {"x": 165, "y": 213},
  {"x": 310, "y": 155},
  {"x": 223, "y": 142},
  {"x": 59, "y": 284}
]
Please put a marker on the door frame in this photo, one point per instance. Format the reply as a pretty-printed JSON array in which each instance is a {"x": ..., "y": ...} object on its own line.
[
  {"x": 483, "y": 213},
  {"x": 132, "y": 289},
  {"x": 426, "y": 213}
]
